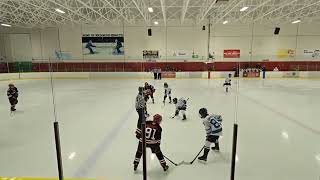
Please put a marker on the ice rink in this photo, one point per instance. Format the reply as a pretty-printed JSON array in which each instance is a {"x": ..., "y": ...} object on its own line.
[{"x": 279, "y": 132}]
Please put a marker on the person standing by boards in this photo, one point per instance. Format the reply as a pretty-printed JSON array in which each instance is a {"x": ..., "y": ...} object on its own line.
[
  {"x": 141, "y": 106},
  {"x": 159, "y": 73}
]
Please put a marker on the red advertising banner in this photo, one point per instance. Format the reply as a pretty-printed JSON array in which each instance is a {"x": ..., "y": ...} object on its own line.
[
  {"x": 231, "y": 53},
  {"x": 168, "y": 74}
]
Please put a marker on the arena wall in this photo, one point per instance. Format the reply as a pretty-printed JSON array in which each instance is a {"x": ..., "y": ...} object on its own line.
[{"x": 255, "y": 42}]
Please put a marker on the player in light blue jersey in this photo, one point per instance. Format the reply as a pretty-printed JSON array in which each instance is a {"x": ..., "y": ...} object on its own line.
[{"x": 213, "y": 128}]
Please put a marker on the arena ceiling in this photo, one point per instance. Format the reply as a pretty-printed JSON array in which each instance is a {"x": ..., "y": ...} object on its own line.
[{"x": 32, "y": 13}]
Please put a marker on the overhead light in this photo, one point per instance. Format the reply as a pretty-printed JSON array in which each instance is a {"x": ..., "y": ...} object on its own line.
[
  {"x": 296, "y": 21},
  {"x": 150, "y": 9},
  {"x": 225, "y": 22},
  {"x": 156, "y": 22},
  {"x": 285, "y": 135},
  {"x": 244, "y": 8},
  {"x": 7, "y": 25},
  {"x": 60, "y": 11},
  {"x": 72, "y": 155}
]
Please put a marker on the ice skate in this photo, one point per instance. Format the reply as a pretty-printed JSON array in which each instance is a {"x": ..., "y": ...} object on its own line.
[
  {"x": 165, "y": 167},
  {"x": 202, "y": 158},
  {"x": 135, "y": 166}
]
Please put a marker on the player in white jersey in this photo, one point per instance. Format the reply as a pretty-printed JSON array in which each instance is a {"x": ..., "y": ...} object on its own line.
[
  {"x": 227, "y": 82},
  {"x": 181, "y": 105},
  {"x": 167, "y": 93},
  {"x": 213, "y": 127}
]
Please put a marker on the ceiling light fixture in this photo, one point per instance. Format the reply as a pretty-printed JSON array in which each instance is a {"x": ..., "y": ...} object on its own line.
[
  {"x": 150, "y": 9},
  {"x": 296, "y": 21},
  {"x": 60, "y": 11},
  {"x": 244, "y": 8},
  {"x": 225, "y": 22},
  {"x": 156, "y": 22},
  {"x": 6, "y": 25}
]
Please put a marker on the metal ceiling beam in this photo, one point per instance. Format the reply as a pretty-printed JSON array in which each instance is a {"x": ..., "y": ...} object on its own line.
[
  {"x": 206, "y": 10},
  {"x": 70, "y": 10},
  {"x": 142, "y": 8},
  {"x": 229, "y": 10},
  {"x": 163, "y": 9},
  {"x": 289, "y": 2},
  {"x": 117, "y": 11},
  {"x": 44, "y": 9},
  {"x": 16, "y": 8},
  {"x": 297, "y": 10},
  {"x": 184, "y": 10},
  {"x": 254, "y": 9},
  {"x": 93, "y": 10}
]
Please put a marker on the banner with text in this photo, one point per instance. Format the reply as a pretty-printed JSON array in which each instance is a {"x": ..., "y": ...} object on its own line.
[
  {"x": 231, "y": 53},
  {"x": 97, "y": 46},
  {"x": 181, "y": 54},
  {"x": 150, "y": 54},
  {"x": 311, "y": 53},
  {"x": 285, "y": 53}
]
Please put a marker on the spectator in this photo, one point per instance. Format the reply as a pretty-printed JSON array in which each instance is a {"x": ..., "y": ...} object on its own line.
[
  {"x": 155, "y": 74},
  {"x": 159, "y": 73}
]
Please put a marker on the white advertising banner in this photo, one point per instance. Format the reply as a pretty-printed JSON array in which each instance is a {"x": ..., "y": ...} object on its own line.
[{"x": 312, "y": 53}]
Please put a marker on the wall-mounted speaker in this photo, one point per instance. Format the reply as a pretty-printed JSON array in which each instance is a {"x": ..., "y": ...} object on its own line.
[
  {"x": 149, "y": 32},
  {"x": 276, "y": 30},
  {"x": 203, "y": 28}
]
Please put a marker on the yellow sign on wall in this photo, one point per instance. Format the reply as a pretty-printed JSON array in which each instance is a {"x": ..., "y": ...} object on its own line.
[{"x": 285, "y": 53}]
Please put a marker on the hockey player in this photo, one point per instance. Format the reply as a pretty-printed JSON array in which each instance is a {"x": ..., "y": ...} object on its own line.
[
  {"x": 89, "y": 46},
  {"x": 181, "y": 105},
  {"x": 153, "y": 140},
  {"x": 167, "y": 92},
  {"x": 148, "y": 91},
  {"x": 227, "y": 83},
  {"x": 13, "y": 94},
  {"x": 213, "y": 127}
]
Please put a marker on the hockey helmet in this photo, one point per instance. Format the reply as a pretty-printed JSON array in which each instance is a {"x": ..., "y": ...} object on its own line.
[
  {"x": 175, "y": 100},
  {"x": 165, "y": 85},
  {"x": 203, "y": 112},
  {"x": 157, "y": 118},
  {"x": 11, "y": 85},
  {"x": 230, "y": 75},
  {"x": 146, "y": 84}
]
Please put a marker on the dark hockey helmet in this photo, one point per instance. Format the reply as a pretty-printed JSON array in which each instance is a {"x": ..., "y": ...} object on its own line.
[
  {"x": 11, "y": 85},
  {"x": 175, "y": 100},
  {"x": 140, "y": 89},
  {"x": 230, "y": 75},
  {"x": 146, "y": 84},
  {"x": 203, "y": 112},
  {"x": 157, "y": 118},
  {"x": 165, "y": 85}
]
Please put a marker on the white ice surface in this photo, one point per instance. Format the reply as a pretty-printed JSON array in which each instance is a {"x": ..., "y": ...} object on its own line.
[{"x": 279, "y": 129}]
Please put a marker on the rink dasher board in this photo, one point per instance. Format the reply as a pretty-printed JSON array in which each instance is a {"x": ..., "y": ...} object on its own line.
[{"x": 145, "y": 75}]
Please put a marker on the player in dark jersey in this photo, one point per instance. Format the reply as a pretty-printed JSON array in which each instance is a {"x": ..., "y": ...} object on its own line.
[
  {"x": 13, "y": 94},
  {"x": 148, "y": 91},
  {"x": 153, "y": 140}
]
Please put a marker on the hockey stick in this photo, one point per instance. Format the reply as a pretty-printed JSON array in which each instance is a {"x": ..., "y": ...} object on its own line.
[
  {"x": 195, "y": 157},
  {"x": 182, "y": 162}
]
